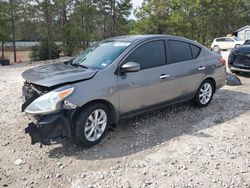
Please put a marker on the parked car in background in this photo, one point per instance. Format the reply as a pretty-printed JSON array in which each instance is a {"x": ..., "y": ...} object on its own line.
[
  {"x": 117, "y": 78},
  {"x": 239, "y": 58},
  {"x": 226, "y": 43},
  {"x": 247, "y": 42}
]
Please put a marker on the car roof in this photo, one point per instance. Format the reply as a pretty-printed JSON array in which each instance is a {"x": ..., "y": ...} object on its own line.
[
  {"x": 134, "y": 38},
  {"x": 142, "y": 38},
  {"x": 223, "y": 37}
]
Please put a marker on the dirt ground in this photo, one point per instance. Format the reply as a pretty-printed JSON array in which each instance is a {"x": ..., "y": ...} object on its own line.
[
  {"x": 179, "y": 146},
  {"x": 21, "y": 56}
]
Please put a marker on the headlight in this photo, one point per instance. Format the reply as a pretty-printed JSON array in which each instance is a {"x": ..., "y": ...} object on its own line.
[{"x": 49, "y": 102}]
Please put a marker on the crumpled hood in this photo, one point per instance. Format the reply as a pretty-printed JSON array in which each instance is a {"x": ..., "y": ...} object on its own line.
[{"x": 58, "y": 73}]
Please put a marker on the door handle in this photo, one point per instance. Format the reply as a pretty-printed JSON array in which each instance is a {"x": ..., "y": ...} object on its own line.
[
  {"x": 164, "y": 76},
  {"x": 201, "y": 68}
]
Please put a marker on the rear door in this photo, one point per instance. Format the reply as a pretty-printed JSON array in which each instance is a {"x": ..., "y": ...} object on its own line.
[
  {"x": 230, "y": 43},
  {"x": 186, "y": 67},
  {"x": 222, "y": 43}
]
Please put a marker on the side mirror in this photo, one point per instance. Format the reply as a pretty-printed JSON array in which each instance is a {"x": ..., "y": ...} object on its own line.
[{"x": 130, "y": 67}]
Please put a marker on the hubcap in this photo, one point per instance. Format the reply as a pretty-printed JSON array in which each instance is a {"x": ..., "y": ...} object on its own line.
[
  {"x": 205, "y": 93},
  {"x": 95, "y": 125}
]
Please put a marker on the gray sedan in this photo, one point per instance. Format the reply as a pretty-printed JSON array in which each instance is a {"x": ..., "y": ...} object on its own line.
[{"x": 117, "y": 78}]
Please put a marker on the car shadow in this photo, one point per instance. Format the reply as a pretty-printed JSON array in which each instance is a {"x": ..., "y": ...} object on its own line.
[{"x": 149, "y": 130}]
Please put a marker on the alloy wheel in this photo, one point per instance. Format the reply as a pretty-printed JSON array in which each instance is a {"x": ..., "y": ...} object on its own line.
[
  {"x": 95, "y": 125},
  {"x": 205, "y": 93}
]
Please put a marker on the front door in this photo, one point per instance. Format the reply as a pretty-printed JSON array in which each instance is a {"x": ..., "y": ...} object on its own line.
[{"x": 147, "y": 86}]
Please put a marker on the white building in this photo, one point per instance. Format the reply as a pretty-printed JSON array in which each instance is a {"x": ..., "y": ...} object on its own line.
[{"x": 243, "y": 33}]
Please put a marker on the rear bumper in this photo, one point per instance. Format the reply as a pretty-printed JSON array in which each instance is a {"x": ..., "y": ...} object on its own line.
[
  {"x": 220, "y": 78},
  {"x": 220, "y": 85},
  {"x": 49, "y": 129}
]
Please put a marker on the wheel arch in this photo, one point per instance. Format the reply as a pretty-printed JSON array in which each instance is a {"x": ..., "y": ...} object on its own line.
[
  {"x": 217, "y": 45},
  {"x": 112, "y": 111},
  {"x": 213, "y": 82}
]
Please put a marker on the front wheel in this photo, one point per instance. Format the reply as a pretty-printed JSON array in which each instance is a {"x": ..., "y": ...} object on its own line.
[
  {"x": 92, "y": 124},
  {"x": 204, "y": 94}
]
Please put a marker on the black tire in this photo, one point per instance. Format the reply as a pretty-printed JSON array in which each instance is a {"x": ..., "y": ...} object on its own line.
[
  {"x": 197, "y": 101},
  {"x": 80, "y": 124},
  {"x": 216, "y": 48}
]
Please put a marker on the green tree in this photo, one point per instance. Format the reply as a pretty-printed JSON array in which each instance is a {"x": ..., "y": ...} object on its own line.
[
  {"x": 4, "y": 26},
  {"x": 152, "y": 17},
  {"x": 200, "y": 20},
  {"x": 43, "y": 11},
  {"x": 40, "y": 52},
  {"x": 113, "y": 17},
  {"x": 15, "y": 11},
  {"x": 63, "y": 26}
]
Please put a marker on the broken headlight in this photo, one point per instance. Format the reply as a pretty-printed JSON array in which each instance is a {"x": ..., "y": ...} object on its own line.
[{"x": 50, "y": 101}]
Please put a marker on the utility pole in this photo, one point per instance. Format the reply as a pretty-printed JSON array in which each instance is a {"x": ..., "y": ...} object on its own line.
[
  {"x": 13, "y": 28},
  {"x": 2, "y": 49},
  {"x": 113, "y": 12},
  {"x": 47, "y": 18}
]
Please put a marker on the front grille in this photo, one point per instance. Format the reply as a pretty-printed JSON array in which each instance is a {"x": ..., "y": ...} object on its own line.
[
  {"x": 242, "y": 61},
  {"x": 32, "y": 90}
]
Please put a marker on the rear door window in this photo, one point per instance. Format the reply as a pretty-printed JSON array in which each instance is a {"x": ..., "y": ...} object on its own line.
[
  {"x": 195, "y": 51},
  {"x": 148, "y": 55},
  {"x": 180, "y": 51},
  {"x": 229, "y": 40},
  {"x": 220, "y": 40}
]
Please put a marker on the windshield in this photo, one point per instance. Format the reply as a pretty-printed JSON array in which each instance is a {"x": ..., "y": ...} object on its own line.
[
  {"x": 237, "y": 39},
  {"x": 101, "y": 54}
]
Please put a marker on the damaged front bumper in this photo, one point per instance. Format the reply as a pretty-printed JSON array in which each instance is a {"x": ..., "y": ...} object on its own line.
[
  {"x": 52, "y": 127},
  {"x": 49, "y": 129}
]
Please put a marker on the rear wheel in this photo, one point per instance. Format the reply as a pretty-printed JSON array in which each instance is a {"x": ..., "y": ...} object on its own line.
[
  {"x": 216, "y": 48},
  {"x": 92, "y": 124},
  {"x": 204, "y": 94},
  {"x": 237, "y": 46}
]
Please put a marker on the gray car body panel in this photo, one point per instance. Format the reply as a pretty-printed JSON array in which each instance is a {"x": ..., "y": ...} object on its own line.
[
  {"x": 55, "y": 74},
  {"x": 139, "y": 90}
]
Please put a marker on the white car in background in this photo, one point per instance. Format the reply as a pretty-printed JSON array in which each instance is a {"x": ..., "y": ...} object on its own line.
[{"x": 225, "y": 43}]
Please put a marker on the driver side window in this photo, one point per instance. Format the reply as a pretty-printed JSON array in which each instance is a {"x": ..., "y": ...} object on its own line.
[{"x": 148, "y": 55}]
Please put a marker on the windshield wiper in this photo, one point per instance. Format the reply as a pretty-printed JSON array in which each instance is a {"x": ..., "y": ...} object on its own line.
[
  {"x": 78, "y": 65},
  {"x": 83, "y": 66}
]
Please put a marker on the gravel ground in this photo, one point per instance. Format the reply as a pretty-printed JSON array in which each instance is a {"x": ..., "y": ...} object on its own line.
[{"x": 180, "y": 146}]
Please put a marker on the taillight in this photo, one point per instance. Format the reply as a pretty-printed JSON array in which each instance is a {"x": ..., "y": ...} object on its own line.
[{"x": 223, "y": 61}]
